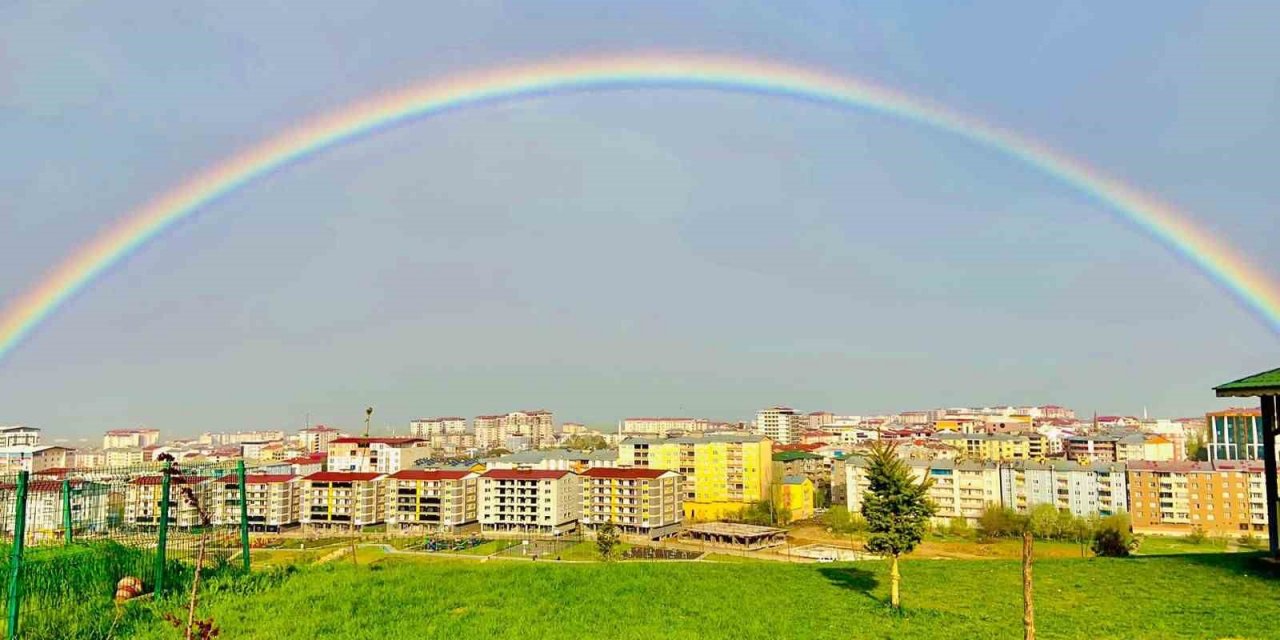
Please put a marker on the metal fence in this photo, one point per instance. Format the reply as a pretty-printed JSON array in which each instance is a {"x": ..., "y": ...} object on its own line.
[{"x": 73, "y": 534}]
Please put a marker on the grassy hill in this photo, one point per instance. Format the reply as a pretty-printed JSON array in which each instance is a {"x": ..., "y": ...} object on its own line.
[{"x": 1188, "y": 596}]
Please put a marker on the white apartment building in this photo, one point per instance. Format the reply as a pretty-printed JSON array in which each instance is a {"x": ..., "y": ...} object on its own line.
[
  {"x": 143, "y": 499},
  {"x": 316, "y": 439},
  {"x": 1083, "y": 489},
  {"x": 961, "y": 489},
  {"x": 44, "y": 507},
  {"x": 432, "y": 499},
  {"x": 19, "y": 436},
  {"x": 493, "y": 431},
  {"x": 130, "y": 438},
  {"x": 336, "y": 500},
  {"x": 220, "y": 438},
  {"x": 376, "y": 455},
  {"x": 530, "y": 501},
  {"x": 661, "y": 427},
  {"x": 427, "y": 427},
  {"x": 783, "y": 425},
  {"x": 273, "y": 501}
]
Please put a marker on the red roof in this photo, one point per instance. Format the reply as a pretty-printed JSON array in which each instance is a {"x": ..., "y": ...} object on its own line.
[
  {"x": 54, "y": 471},
  {"x": 524, "y": 474},
  {"x": 342, "y": 476},
  {"x": 260, "y": 478},
  {"x": 151, "y": 480},
  {"x": 315, "y": 458},
  {"x": 429, "y": 474},
  {"x": 356, "y": 440},
  {"x": 611, "y": 472}
]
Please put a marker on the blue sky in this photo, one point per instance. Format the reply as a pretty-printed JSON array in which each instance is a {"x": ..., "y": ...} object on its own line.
[{"x": 630, "y": 253}]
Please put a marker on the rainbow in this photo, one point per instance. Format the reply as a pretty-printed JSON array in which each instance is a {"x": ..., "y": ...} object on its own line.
[{"x": 1250, "y": 286}]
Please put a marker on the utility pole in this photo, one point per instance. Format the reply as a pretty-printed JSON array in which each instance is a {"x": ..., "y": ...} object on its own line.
[{"x": 368, "y": 416}]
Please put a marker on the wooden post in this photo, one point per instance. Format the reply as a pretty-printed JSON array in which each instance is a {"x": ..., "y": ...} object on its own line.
[
  {"x": 1269, "y": 462},
  {"x": 1028, "y": 607}
]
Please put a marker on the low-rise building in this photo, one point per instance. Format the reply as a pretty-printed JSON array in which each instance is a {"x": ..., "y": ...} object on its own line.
[
  {"x": 794, "y": 494},
  {"x": 638, "y": 501},
  {"x": 530, "y": 501},
  {"x": 432, "y": 500},
  {"x": 272, "y": 501},
  {"x": 336, "y": 499}
]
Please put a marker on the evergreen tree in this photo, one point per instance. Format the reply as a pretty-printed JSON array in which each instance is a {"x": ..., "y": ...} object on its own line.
[
  {"x": 607, "y": 540},
  {"x": 897, "y": 510}
]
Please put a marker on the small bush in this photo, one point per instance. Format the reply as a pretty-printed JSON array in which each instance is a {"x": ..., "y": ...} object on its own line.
[
  {"x": 960, "y": 527},
  {"x": 1113, "y": 539},
  {"x": 1196, "y": 537}
]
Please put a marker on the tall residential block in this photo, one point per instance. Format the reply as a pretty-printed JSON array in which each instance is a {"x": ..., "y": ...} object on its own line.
[
  {"x": 638, "y": 501},
  {"x": 722, "y": 473},
  {"x": 781, "y": 424}
]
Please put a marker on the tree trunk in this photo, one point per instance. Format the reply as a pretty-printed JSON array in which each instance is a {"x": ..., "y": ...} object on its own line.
[
  {"x": 1028, "y": 606},
  {"x": 894, "y": 578}
]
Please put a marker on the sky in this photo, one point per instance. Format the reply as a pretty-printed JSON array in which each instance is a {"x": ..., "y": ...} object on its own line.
[{"x": 636, "y": 252}]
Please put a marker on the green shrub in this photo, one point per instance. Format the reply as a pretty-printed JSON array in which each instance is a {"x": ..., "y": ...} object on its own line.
[{"x": 1113, "y": 539}]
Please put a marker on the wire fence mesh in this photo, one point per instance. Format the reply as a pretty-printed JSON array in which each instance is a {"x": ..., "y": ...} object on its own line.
[{"x": 82, "y": 531}]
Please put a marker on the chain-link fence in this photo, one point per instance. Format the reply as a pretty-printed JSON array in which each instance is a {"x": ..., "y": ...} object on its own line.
[{"x": 72, "y": 535}]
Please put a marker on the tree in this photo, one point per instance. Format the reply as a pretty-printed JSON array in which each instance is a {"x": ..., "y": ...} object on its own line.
[
  {"x": 999, "y": 522},
  {"x": 1112, "y": 538},
  {"x": 1043, "y": 521},
  {"x": 897, "y": 509},
  {"x": 607, "y": 540}
]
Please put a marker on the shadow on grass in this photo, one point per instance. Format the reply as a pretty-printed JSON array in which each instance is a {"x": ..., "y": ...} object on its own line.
[
  {"x": 1250, "y": 564},
  {"x": 852, "y": 578}
]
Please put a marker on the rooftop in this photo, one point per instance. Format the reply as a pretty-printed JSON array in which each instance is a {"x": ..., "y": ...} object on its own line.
[{"x": 1266, "y": 383}]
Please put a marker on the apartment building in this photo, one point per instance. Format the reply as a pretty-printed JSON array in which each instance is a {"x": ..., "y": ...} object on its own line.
[
  {"x": 272, "y": 501},
  {"x": 427, "y": 427},
  {"x": 662, "y": 427},
  {"x": 88, "y": 502},
  {"x": 19, "y": 436},
  {"x": 988, "y": 446},
  {"x": 1219, "y": 498},
  {"x": 1091, "y": 448},
  {"x": 432, "y": 500},
  {"x": 376, "y": 455},
  {"x": 24, "y": 457},
  {"x": 555, "y": 460},
  {"x": 130, "y": 438},
  {"x": 142, "y": 501},
  {"x": 1234, "y": 434},
  {"x": 223, "y": 438},
  {"x": 1084, "y": 489},
  {"x": 530, "y": 501},
  {"x": 782, "y": 425},
  {"x": 119, "y": 458},
  {"x": 721, "y": 474},
  {"x": 794, "y": 494},
  {"x": 336, "y": 499},
  {"x": 638, "y": 501},
  {"x": 493, "y": 431},
  {"x": 960, "y": 489},
  {"x": 316, "y": 439}
]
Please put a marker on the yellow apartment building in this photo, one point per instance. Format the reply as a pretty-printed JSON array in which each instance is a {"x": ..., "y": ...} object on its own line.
[{"x": 722, "y": 473}]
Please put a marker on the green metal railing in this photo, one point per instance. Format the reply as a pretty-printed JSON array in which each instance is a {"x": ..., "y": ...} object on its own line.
[{"x": 74, "y": 535}]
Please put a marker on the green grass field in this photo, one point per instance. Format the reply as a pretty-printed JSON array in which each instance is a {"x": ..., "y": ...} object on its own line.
[{"x": 1182, "y": 596}]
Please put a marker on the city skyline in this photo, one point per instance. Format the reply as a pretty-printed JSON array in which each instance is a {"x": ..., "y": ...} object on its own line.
[{"x": 730, "y": 241}]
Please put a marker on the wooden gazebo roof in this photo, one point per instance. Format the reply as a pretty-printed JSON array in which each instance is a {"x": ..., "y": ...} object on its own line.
[{"x": 1266, "y": 383}]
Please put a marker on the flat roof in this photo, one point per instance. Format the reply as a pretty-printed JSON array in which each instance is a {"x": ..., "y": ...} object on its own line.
[{"x": 733, "y": 529}]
